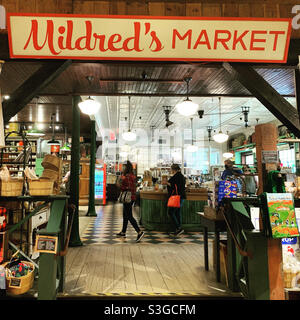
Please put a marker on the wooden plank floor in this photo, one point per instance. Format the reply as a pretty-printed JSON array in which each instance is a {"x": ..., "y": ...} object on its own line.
[{"x": 140, "y": 268}]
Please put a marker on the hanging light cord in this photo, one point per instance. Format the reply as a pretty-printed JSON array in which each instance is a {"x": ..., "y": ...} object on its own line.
[
  {"x": 52, "y": 120},
  {"x": 220, "y": 112},
  {"x": 192, "y": 130},
  {"x": 187, "y": 80},
  {"x": 129, "y": 115}
]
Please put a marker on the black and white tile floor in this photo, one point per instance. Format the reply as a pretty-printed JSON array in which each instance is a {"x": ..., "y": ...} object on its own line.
[{"x": 103, "y": 228}]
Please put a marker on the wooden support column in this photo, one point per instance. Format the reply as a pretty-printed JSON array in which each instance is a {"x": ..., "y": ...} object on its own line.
[
  {"x": 91, "y": 211},
  {"x": 266, "y": 140},
  {"x": 75, "y": 163},
  {"x": 266, "y": 94},
  {"x": 297, "y": 145},
  {"x": 32, "y": 86}
]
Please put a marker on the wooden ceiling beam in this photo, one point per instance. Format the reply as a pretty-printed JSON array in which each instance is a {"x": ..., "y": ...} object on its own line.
[
  {"x": 161, "y": 94},
  {"x": 32, "y": 87},
  {"x": 266, "y": 94}
]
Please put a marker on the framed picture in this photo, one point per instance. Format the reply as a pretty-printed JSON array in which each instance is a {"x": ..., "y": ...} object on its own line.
[{"x": 46, "y": 244}]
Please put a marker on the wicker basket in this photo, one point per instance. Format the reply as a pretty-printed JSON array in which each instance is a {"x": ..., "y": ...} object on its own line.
[
  {"x": 41, "y": 187},
  {"x": 51, "y": 162},
  {"x": 50, "y": 174},
  {"x": 11, "y": 188},
  {"x": 20, "y": 285}
]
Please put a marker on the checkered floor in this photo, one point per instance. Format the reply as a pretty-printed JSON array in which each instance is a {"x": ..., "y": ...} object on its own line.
[{"x": 103, "y": 228}]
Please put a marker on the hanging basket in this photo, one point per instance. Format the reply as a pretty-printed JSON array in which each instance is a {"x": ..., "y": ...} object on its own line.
[{"x": 20, "y": 285}]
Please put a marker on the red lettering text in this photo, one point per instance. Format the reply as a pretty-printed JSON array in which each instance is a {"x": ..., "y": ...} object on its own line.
[
  {"x": 48, "y": 38},
  {"x": 239, "y": 39},
  {"x": 177, "y": 34},
  {"x": 276, "y": 33},
  {"x": 206, "y": 41},
  {"x": 253, "y": 39},
  {"x": 222, "y": 40}
]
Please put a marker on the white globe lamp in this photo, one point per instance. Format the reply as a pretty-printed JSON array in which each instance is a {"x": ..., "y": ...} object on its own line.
[
  {"x": 187, "y": 107},
  {"x": 129, "y": 136},
  {"x": 220, "y": 137},
  {"x": 227, "y": 155},
  {"x": 89, "y": 106}
]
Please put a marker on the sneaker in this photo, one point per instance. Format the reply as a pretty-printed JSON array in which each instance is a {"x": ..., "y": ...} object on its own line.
[
  {"x": 121, "y": 234},
  {"x": 140, "y": 236},
  {"x": 179, "y": 232}
]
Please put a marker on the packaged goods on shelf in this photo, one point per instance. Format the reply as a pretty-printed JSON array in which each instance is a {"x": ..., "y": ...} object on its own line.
[{"x": 291, "y": 262}]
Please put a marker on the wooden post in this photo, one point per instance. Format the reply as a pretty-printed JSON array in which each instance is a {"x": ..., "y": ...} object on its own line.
[
  {"x": 75, "y": 163},
  {"x": 266, "y": 139}
]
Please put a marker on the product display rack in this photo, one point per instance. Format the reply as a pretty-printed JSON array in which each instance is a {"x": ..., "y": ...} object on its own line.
[
  {"x": 17, "y": 168},
  {"x": 11, "y": 151}
]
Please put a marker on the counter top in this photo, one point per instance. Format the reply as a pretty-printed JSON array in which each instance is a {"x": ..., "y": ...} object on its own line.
[{"x": 162, "y": 195}]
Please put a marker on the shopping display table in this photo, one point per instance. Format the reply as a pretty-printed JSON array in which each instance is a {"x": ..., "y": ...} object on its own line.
[{"x": 154, "y": 211}]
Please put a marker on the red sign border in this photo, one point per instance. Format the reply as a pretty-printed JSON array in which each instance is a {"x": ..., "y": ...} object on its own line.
[{"x": 8, "y": 15}]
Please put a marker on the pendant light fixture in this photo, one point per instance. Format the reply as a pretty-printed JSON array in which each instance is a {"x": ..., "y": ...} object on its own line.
[
  {"x": 89, "y": 106},
  {"x": 128, "y": 135},
  {"x": 66, "y": 146},
  {"x": 227, "y": 155},
  {"x": 187, "y": 107},
  {"x": 220, "y": 137},
  {"x": 53, "y": 142},
  {"x": 209, "y": 130},
  {"x": 245, "y": 111},
  {"x": 192, "y": 147}
]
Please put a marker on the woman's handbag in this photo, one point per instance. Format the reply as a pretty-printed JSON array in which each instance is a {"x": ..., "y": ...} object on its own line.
[
  {"x": 174, "y": 201},
  {"x": 125, "y": 197}
]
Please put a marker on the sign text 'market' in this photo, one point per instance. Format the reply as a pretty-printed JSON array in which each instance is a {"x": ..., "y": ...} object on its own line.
[{"x": 149, "y": 39}]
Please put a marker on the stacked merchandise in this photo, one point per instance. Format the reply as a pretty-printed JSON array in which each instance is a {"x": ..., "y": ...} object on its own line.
[
  {"x": 147, "y": 179},
  {"x": 38, "y": 186},
  {"x": 226, "y": 189},
  {"x": 291, "y": 262},
  {"x": 223, "y": 189},
  {"x": 50, "y": 180},
  {"x": 53, "y": 170}
]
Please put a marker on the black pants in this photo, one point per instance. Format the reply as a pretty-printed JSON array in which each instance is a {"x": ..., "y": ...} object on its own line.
[
  {"x": 175, "y": 214},
  {"x": 127, "y": 216}
]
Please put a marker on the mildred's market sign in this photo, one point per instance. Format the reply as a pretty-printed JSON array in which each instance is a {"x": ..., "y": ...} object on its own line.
[{"x": 86, "y": 37}]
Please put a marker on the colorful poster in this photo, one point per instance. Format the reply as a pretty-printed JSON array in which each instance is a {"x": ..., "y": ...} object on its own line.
[{"x": 282, "y": 215}]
